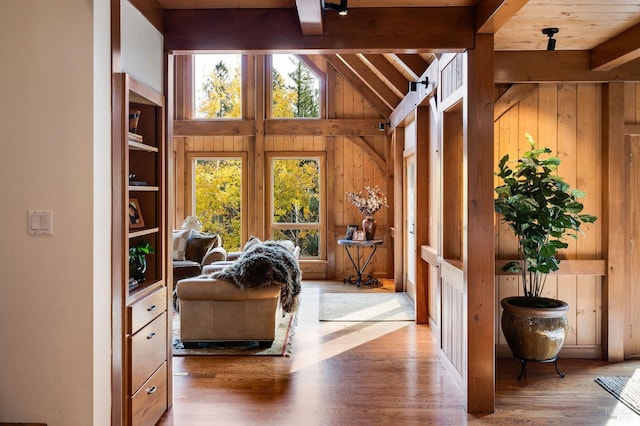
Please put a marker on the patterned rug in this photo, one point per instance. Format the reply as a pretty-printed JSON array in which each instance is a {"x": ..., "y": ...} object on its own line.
[
  {"x": 366, "y": 307},
  {"x": 282, "y": 344},
  {"x": 625, "y": 389}
]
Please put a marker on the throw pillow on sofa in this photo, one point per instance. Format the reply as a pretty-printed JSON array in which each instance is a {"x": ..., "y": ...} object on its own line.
[
  {"x": 180, "y": 243},
  {"x": 198, "y": 244}
]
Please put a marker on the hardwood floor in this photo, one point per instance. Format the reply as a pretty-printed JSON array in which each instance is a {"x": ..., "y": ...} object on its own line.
[{"x": 348, "y": 373}]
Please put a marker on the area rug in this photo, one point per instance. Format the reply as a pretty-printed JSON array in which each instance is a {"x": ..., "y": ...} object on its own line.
[
  {"x": 282, "y": 345},
  {"x": 625, "y": 389},
  {"x": 366, "y": 307}
]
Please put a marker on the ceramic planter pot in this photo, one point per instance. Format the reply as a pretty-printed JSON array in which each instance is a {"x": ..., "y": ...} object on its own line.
[{"x": 534, "y": 333}]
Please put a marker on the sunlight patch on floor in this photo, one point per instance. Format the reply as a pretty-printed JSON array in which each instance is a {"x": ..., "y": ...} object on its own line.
[{"x": 346, "y": 339}]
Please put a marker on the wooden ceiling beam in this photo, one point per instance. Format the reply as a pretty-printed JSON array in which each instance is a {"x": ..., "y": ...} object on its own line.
[
  {"x": 415, "y": 63},
  {"x": 365, "y": 30},
  {"x": 376, "y": 102},
  {"x": 491, "y": 15},
  {"x": 390, "y": 72},
  {"x": 618, "y": 50},
  {"x": 330, "y": 127},
  {"x": 542, "y": 66},
  {"x": 412, "y": 100},
  {"x": 310, "y": 16},
  {"x": 369, "y": 78}
]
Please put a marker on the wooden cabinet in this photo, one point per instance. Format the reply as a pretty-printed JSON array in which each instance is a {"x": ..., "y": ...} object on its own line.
[{"x": 141, "y": 323}]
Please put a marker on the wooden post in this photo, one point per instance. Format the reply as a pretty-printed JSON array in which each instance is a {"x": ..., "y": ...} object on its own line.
[
  {"x": 479, "y": 257},
  {"x": 614, "y": 179},
  {"x": 422, "y": 205},
  {"x": 398, "y": 210}
]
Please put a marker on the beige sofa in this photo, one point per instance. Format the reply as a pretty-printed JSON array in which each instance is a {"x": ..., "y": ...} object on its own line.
[{"x": 216, "y": 308}]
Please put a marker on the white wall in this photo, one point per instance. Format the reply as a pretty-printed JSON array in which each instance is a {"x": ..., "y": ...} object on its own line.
[
  {"x": 142, "y": 48},
  {"x": 54, "y": 290}
]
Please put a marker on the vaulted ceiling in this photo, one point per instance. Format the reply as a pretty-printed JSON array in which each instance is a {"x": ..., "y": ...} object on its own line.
[{"x": 382, "y": 45}]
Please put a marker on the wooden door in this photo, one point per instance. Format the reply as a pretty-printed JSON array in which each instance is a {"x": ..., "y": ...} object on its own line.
[{"x": 632, "y": 291}]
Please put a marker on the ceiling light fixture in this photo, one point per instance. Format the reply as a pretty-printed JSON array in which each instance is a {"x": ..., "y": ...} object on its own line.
[
  {"x": 550, "y": 32},
  {"x": 340, "y": 8}
]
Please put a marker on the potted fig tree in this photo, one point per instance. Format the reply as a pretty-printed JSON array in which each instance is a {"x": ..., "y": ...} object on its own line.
[{"x": 542, "y": 210}]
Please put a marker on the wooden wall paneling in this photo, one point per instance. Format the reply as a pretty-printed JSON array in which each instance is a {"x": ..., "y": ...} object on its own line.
[
  {"x": 587, "y": 314},
  {"x": 547, "y": 117},
  {"x": 566, "y": 150},
  {"x": 452, "y": 124},
  {"x": 632, "y": 291},
  {"x": 335, "y": 172},
  {"x": 350, "y": 213},
  {"x": 454, "y": 324},
  {"x": 332, "y": 205}
]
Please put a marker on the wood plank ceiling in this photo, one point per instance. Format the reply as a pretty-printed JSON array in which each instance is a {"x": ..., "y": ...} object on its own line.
[{"x": 608, "y": 31}]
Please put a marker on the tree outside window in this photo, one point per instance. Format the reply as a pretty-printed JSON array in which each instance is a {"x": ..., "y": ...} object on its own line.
[
  {"x": 218, "y": 86},
  {"x": 218, "y": 198},
  {"x": 296, "y": 202},
  {"x": 295, "y": 91}
]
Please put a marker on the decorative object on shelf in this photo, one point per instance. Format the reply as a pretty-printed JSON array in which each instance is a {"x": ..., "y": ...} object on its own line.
[
  {"x": 134, "y": 117},
  {"x": 351, "y": 229},
  {"x": 192, "y": 222},
  {"x": 541, "y": 209},
  {"x": 138, "y": 262},
  {"x": 369, "y": 226},
  {"x": 135, "y": 214},
  {"x": 359, "y": 236},
  {"x": 133, "y": 182},
  {"x": 368, "y": 205}
]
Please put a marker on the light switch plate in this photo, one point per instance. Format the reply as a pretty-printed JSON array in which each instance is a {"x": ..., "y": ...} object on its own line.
[{"x": 40, "y": 222}]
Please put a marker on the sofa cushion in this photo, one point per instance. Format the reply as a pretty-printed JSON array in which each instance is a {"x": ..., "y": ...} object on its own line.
[
  {"x": 185, "y": 269},
  {"x": 198, "y": 244},
  {"x": 180, "y": 238}
]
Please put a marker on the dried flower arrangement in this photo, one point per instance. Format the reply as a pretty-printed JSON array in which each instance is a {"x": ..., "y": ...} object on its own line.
[{"x": 368, "y": 204}]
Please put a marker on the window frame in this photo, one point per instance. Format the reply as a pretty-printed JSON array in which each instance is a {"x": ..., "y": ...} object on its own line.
[
  {"x": 321, "y": 226},
  {"x": 190, "y": 193}
]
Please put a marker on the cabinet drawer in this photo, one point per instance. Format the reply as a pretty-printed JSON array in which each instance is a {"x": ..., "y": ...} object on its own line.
[
  {"x": 144, "y": 310},
  {"x": 150, "y": 402},
  {"x": 148, "y": 351}
]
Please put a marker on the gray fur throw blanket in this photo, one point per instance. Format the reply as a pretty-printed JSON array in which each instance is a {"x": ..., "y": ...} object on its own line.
[{"x": 266, "y": 264}]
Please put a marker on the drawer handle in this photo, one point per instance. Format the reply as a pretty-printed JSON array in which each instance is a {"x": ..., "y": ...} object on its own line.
[
  {"x": 151, "y": 336},
  {"x": 152, "y": 390},
  {"x": 151, "y": 308}
]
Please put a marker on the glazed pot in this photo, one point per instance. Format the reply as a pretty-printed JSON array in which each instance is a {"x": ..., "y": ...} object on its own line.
[
  {"x": 369, "y": 226},
  {"x": 534, "y": 333}
]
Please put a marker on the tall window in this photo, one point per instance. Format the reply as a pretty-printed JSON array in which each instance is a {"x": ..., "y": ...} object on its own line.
[
  {"x": 296, "y": 202},
  {"x": 217, "y": 197},
  {"x": 295, "y": 91},
  {"x": 218, "y": 86}
]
